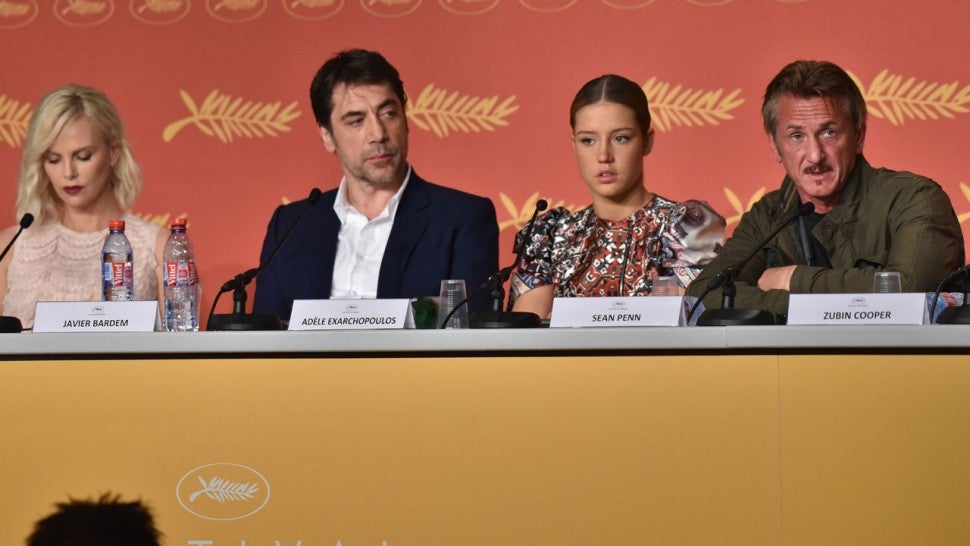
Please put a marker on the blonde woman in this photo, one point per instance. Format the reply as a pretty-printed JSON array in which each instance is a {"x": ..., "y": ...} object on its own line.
[{"x": 77, "y": 173}]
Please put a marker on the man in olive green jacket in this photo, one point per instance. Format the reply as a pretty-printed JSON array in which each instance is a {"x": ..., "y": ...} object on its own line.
[{"x": 865, "y": 219}]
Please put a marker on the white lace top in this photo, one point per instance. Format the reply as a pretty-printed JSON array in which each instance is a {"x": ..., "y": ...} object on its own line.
[{"x": 53, "y": 263}]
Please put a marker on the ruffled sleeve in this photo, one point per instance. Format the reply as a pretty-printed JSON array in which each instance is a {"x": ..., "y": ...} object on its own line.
[
  {"x": 695, "y": 237},
  {"x": 536, "y": 266}
]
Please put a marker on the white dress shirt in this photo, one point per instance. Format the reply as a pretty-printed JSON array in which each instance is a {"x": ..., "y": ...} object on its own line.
[{"x": 360, "y": 245}]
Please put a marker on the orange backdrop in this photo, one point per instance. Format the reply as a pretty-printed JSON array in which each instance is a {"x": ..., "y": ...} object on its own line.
[{"x": 214, "y": 94}]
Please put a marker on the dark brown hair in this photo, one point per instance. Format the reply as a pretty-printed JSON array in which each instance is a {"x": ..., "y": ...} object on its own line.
[
  {"x": 351, "y": 67},
  {"x": 807, "y": 79},
  {"x": 613, "y": 88}
]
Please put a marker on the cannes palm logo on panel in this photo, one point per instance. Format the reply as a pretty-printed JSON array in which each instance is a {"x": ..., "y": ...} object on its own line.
[
  {"x": 83, "y": 13},
  {"x": 222, "y": 491}
]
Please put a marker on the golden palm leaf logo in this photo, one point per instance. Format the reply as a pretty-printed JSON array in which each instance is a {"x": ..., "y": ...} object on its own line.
[
  {"x": 160, "y": 6},
  {"x": 159, "y": 12},
  {"x": 390, "y": 8},
  {"x": 236, "y": 5},
  {"x": 14, "y": 118},
  {"x": 891, "y": 97},
  {"x": 17, "y": 13},
  {"x": 11, "y": 10},
  {"x": 518, "y": 216},
  {"x": 468, "y": 7},
  {"x": 225, "y": 118},
  {"x": 162, "y": 219},
  {"x": 440, "y": 111},
  {"x": 236, "y": 11},
  {"x": 677, "y": 105},
  {"x": 966, "y": 195},
  {"x": 310, "y": 10},
  {"x": 547, "y": 6},
  {"x": 84, "y": 7},
  {"x": 739, "y": 207}
]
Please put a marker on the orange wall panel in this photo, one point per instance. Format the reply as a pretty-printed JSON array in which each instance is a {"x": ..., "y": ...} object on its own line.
[{"x": 174, "y": 66}]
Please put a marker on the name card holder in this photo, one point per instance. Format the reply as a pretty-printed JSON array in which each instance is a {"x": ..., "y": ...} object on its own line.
[
  {"x": 372, "y": 314},
  {"x": 618, "y": 311},
  {"x": 815, "y": 309},
  {"x": 96, "y": 316}
]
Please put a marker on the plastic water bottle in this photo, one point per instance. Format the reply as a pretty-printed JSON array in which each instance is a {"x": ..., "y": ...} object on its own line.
[
  {"x": 180, "y": 281},
  {"x": 117, "y": 265}
]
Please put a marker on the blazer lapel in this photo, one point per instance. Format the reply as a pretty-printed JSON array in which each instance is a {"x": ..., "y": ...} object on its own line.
[
  {"x": 329, "y": 231},
  {"x": 410, "y": 222}
]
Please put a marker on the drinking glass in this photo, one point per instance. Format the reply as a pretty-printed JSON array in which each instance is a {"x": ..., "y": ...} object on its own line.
[
  {"x": 665, "y": 286},
  {"x": 453, "y": 294},
  {"x": 886, "y": 282}
]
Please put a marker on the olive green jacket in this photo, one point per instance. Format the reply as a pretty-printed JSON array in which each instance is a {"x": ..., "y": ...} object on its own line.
[{"x": 885, "y": 220}]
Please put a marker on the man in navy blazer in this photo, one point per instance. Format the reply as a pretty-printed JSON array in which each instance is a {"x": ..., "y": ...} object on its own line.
[{"x": 384, "y": 232}]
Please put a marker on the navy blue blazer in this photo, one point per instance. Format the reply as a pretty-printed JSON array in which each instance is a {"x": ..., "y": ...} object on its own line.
[{"x": 438, "y": 233}]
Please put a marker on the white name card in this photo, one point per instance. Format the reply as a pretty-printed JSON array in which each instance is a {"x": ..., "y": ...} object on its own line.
[
  {"x": 905, "y": 308},
  {"x": 96, "y": 316},
  {"x": 625, "y": 311},
  {"x": 371, "y": 314}
]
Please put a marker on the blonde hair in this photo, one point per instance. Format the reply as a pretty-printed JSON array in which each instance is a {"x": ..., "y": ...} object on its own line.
[{"x": 55, "y": 110}]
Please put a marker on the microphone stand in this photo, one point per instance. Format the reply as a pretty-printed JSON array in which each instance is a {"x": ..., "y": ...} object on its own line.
[
  {"x": 495, "y": 278},
  {"x": 496, "y": 318},
  {"x": 12, "y": 325},
  {"x": 239, "y": 319},
  {"x": 953, "y": 315},
  {"x": 727, "y": 315}
]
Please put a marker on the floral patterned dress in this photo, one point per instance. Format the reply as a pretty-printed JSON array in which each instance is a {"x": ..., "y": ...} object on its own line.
[{"x": 583, "y": 255}]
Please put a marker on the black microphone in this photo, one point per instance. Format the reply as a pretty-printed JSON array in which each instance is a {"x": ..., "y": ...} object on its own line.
[
  {"x": 952, "y": 315},
  {"x": 496, "y": 318},
  {"x": 12, "y": 325},
  {"x": 243, "y": 279},
  {"x": 727, "y": 315},
  {"x": 25, "y": 221},
  {"x": 239, "y": 319}
]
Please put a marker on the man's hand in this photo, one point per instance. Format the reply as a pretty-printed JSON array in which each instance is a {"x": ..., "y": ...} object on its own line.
[{"x": 777, "y": 278}]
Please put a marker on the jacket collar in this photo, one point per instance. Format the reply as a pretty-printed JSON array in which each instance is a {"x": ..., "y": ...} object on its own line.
[{"x": 410, "y": 223}]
